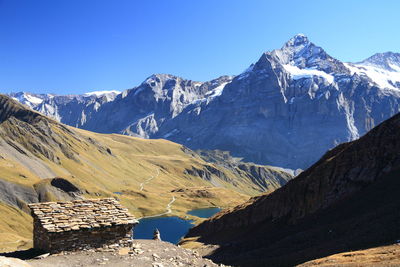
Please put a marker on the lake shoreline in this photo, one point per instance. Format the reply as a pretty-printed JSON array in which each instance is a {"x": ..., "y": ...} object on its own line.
[{"x": 171, "y": 227}]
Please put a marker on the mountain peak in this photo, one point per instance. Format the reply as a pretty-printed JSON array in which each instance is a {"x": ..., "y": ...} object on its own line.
[
  {"x": 159, "y": 78},
  {"x": 387, "y": 60},
  {"x": 299, "y": 51},
  {"x": 298, "y": 40},
  {"x": 298, "y": 48}
]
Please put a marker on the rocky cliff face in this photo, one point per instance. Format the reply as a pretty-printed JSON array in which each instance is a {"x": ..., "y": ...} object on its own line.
[
  {"x": 347, "y": 200},
  {"x": 143, "y": 110},
  {"x": 139, "y": 111},
  {"x": 74, "y": 110},
  {"x": 290, "y": 99}
]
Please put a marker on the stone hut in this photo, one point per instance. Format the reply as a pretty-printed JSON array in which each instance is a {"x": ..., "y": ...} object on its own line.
[{"x": 81, "y": 224}]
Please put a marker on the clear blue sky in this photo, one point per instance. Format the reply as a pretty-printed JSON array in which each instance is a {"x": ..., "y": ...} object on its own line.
[{"x": 76, "y": 46}]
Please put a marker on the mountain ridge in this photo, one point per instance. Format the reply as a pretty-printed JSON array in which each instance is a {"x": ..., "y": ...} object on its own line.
[{"x": 291, "y": 97}]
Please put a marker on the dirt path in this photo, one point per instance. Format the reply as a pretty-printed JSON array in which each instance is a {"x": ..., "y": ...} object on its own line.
[
  {"x": 148, "y": 180},
  {"x": 169, "y": 205},
  {"x": 168, "y": 210}
]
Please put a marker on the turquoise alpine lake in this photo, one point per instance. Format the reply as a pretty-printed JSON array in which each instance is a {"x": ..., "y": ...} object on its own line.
[
  {"x": 172, "y": 229},
  {"x": 204, "y": 213}
]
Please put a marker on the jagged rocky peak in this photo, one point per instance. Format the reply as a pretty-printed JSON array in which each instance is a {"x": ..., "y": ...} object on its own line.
[
  {"x": 298, "y": 40},
  {"x": 301, "y": 53},
  {"x": 388, "y": 60},
  {"x": 300, "y": 58},
  {"x": 169, "y": 81},
  {"x": 297, "y": 47},
  {"x": 29, "y": 99},
  {"x": 167, "y": 87},
  {"x": 164, "y": 85},
  {"x": 160, "y": 79}
]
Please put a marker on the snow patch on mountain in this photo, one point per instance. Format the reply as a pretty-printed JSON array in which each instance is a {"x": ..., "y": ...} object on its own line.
[
  {"x": 96, "y": 106},
  {"x": 385, "y": 79},
  {"x": 28, "y": 99},
  {"x": 101, "y": 93},
  {"x": 49, "y": 110},
  {"x": 297, "y": 73},
  {"x": 33, "y": 99},
  {"x": 217, "y": 91}
]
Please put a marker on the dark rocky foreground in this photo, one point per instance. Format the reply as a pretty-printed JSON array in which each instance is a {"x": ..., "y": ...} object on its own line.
[
  {"x": 144, "y": 253},
  {"x": 348, "y": 200}
]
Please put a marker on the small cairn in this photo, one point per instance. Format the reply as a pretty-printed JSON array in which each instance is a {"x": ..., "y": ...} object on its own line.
[{"x": 156, "y": 235}]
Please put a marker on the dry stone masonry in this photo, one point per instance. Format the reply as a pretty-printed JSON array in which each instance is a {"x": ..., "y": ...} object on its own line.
[{"x": 81, "y": 224}]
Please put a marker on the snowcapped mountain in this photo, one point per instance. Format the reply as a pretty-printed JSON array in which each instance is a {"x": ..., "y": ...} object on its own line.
[
  {"x": 101, "y": 93},
  {"x": 143, "y": 110},
  {"x": 29, "y": 99},
  {"x": 106, "y": 95},
  {"x": 389, "y": 61},
  {"x": 382, "y": 69},
  {"x": 286, "y": 109},
  {"x": 69, "y": 109}
]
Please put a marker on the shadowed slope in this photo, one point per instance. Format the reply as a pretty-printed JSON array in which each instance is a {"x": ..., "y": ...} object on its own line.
[
  {"x": 14, "y": 109},
  {"x": 347, "y": 200}
]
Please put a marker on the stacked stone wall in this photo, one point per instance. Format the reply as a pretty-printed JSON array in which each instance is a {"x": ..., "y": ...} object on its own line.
[
  {"x": 110, "y": 237},
  {"x": 81, "y": 224}
]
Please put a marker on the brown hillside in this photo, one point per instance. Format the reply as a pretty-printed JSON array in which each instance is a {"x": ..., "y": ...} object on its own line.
[{"x": 43, "y": 160}]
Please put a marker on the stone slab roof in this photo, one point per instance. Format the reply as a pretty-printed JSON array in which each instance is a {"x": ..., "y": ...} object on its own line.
[{"x": 81, "y": 214}]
